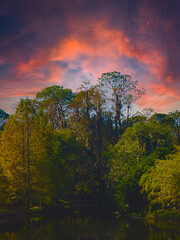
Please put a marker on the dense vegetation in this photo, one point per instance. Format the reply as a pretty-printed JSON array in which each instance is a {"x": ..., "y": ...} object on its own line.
[
  {"x": 63, "y": 146},
  {"x": 3, "y": 118}
]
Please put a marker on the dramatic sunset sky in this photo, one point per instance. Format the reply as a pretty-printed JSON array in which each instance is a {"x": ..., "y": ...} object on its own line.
[{"x": 47, "y": 42}]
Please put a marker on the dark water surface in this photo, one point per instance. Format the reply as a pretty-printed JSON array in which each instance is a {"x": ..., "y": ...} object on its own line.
[{"x": 85, "y": 227}]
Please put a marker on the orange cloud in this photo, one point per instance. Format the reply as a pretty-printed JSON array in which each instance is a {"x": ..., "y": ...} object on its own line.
[
  {"x": 105, "y": 44},
  {"x": 19, "y": 92},
  {"x": 162, "y": 103},
  {"x": 165, "y": 90}
]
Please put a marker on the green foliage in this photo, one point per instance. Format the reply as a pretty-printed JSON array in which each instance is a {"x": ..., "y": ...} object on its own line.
[
  {"x": 56, "y": 93},
  {"x": 172, "y": 120},
  {"x": 162, "y": 183},
  {"x": 65, "y": 145},
  {"x": 64, "y": 160},
  {"x": 55, "y": 101},
  {"x": 72, "y": 173},
  {"x": 35, "y": 209},
  {"x": 4, "y": 186},
  {"x": 65, "y": 204},
  {"x": 26, "y": 153},
  {"x": 163, "y": 215},
  {"x": 132, "y": 156},
  {"x": 3, "y": 114},
  {"x": 3, "y": 119}
]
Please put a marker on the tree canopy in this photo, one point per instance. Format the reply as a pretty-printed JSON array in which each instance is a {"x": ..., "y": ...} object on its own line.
[{"x": 65, "y": 145}]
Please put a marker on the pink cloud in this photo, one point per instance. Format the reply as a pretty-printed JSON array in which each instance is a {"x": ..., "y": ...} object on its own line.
[{"x": 102, "y": 49}]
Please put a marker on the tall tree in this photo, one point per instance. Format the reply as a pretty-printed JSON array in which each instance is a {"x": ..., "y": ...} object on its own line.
[
  {"x": 98, "y": 101},
  {"x": 24, "y": 152},
  {"x": 176, "y": 126},
  {"x": 120, "y": 88},
  {"x": 131, "y": 96},
  {"x": 55, "y": 100}
]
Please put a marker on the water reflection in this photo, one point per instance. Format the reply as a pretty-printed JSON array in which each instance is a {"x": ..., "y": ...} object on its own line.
[{"x": 89, "y": 227}]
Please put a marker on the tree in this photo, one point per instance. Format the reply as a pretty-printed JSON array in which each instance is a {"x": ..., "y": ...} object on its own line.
[
  {"x": 171, "y": 119},
  {"x": 4, "y": 186},
  {"x": 134, "y": 153},
  {"x": 55, "y": 100},
  {"x": 73, "y": 173},
  {"x": 162, "y": 182},
  {"x": 3, "y": 118},
  {"x": 25, "y": 154},
  {"x": 83, "y": 110},
  {"x": 98, "y": 101},
  {"x": 79, "y": 111},
  {"x": 123, "y": 89},
  {"x": 176, "y": 126},
  {"x": 131, "y": 96}
]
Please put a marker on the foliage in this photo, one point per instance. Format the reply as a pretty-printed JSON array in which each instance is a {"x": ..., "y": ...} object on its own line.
[
  {"x": 121, "y": 90},
  {"x": 133, "y": 155},
  {"x": 35, "y": 209},
  {"x": 25, "y": 154},
  {"x": 163, "y": 215},
  {"x": 86, "y": 145},
  {"x": 3, "y": 114},
  {"x": 3, "y": 119},
  {"x": 55, "y": 101},
  {"x": 162, "y": 183}
]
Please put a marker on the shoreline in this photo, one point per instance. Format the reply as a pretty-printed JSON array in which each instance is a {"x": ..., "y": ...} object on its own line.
[{"x": 8, "y": 212}]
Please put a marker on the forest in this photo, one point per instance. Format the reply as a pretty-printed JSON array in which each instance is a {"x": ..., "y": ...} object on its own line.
[{"x": 65, "y": 146}]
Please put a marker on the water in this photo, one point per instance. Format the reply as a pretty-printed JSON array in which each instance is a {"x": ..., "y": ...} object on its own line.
[{"x": 85, "y": 227}]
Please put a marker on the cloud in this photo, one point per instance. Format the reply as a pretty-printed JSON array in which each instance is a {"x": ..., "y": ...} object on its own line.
[{"x": 64, "y": 42}]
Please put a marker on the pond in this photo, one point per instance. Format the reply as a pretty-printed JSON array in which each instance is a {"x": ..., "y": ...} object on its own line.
[{"x": 76, "y": 226}]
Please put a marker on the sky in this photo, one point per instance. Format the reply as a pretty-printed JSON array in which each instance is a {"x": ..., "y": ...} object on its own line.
[{"x": 63, "y": 42}]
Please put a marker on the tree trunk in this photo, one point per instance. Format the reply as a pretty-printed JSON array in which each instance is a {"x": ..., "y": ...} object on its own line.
[
  {"x": 77, "y": 112},
  {"x": 63, "y": 119},
  {"x": 99, "y": 143},
  {"x": 87, "y": 104},
  {"x": 120, "y": 123},
  {"x": 28, "y": 169},
  {"x": 23, "y": 154},
  {"x": 128, "y": 108},
  {"x": 116, "y": 117}
]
